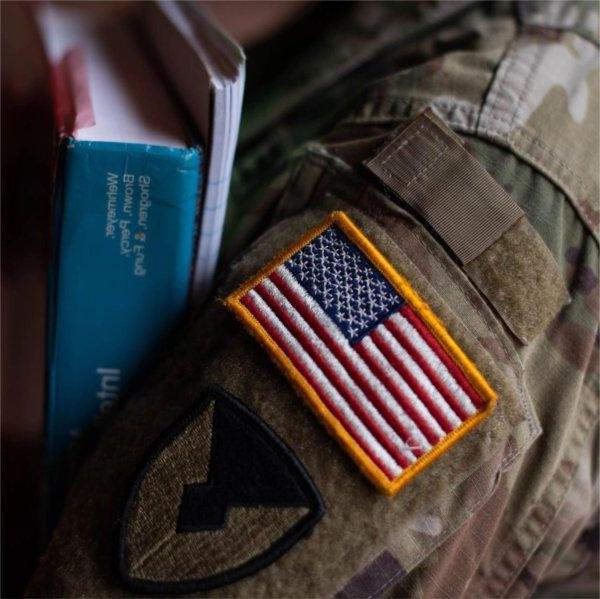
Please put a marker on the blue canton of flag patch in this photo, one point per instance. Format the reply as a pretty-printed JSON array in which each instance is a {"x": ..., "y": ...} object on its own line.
[{"x": 344, "y": 283}]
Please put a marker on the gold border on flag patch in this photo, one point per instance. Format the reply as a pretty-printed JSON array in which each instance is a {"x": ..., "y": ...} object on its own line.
[{"x": 368, "y": 354}]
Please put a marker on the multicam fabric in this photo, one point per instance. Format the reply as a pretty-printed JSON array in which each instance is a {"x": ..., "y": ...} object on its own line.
[
  {"x": 517, "y": 513},
  {"x": 540, "y": 150},
  {"x": 546, "y": 74}
]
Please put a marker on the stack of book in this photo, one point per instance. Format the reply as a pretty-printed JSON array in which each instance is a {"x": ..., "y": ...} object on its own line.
[{"x": 148, "y": 103}]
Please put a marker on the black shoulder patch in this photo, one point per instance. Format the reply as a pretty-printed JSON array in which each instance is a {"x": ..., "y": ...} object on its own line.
[{"x": 219, "y": 497}]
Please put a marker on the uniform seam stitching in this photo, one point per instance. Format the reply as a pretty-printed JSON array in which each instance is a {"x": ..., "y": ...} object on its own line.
[
  {"x": 420, "y": 173},
  {"x": 532, "y": 66},
  {"x": 523, "y": 132},
  {"x": 585, "y": 426},
  {"x": 403, "y": 143}
]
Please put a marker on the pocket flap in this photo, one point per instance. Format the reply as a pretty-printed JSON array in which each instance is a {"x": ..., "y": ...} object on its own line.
[{"x": 427, "y": 166}]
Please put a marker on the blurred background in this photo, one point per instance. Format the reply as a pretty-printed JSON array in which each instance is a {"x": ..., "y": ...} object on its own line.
[{"x": 27, "y": 147}]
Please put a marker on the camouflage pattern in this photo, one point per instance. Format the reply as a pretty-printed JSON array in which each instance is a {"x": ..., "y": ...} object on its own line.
[
  {"x": 518, "y": 515},
  {"x": 545, "y": 75}
]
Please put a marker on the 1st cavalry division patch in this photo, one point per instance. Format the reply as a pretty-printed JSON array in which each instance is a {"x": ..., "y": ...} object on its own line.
[
  {"x": 372, "y": 360},
  {"x": 219, "y": 497}
]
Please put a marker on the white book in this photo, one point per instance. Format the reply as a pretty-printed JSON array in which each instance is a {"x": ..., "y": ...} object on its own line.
[{"x": 207, "y": 70}]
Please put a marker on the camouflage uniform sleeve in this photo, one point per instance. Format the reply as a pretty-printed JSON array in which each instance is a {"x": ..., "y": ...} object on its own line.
[
  {"x": 517, "y": 102},
  {"x": 251, "y": 488}
]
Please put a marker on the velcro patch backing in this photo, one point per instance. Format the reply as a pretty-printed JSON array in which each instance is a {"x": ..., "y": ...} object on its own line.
[
  {"x": 372, "y": 360},
  {"x": 428, "y": 167}
]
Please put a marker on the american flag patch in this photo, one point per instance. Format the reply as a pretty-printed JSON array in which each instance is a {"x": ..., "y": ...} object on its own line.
[{"x": 368, "y": 354}]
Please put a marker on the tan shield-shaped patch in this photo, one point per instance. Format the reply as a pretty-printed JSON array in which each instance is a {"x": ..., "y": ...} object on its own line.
[{"x": 218, "y": 498}]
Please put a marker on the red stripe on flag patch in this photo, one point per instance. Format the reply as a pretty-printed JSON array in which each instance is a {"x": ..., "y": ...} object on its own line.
[
  {"x": 356, "y": 429},
  {"x": 377, "y": 392},
  {"x": 352, "y": 393},
  {"x": 443, "y": 355}
]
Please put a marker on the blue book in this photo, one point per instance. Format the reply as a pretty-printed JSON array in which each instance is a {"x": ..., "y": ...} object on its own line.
[
  {"x": 126, "y": 212},
  {"x": 124, "y": 237}
]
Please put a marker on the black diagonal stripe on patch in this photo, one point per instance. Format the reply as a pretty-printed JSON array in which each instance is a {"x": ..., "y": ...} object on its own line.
[
  {"x": 246, "y": 469},
  {"x": 218, "y": 475}
]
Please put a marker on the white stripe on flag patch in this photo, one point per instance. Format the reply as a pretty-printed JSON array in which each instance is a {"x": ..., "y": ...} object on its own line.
[
  {"x": 433, "y": 394},
  {"x": 371, "y": 383},
  {"x": 374, "y": 354},
  {"x": 346, "y": 385},
  {"x": 297, "y": 354},
  {"x": 435, "y": 363}
]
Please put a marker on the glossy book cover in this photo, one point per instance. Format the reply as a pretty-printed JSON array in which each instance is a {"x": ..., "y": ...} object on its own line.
[{"x": 124, "y": 222}]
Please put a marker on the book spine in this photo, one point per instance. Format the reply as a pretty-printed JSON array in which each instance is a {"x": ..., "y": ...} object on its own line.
[{"x": 119, "y": 282}]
